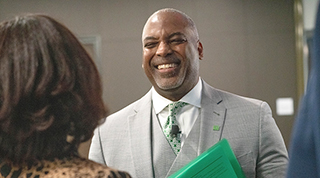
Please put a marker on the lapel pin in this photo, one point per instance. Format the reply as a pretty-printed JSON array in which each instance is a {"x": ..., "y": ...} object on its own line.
[{"x": 216, "y": 128}]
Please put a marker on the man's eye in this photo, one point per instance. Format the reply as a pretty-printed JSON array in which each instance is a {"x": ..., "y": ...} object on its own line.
[{"x": 150, "y": 45}]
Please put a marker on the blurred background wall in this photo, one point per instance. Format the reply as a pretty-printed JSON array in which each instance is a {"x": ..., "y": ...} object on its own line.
[{"x": 249, "y": 46}]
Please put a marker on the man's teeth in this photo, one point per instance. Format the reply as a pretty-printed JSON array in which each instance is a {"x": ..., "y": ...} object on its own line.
[{"x": 166, "y": 66}]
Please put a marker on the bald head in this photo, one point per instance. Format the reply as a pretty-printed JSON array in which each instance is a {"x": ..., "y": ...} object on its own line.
[{"x": 170, "y": 13}]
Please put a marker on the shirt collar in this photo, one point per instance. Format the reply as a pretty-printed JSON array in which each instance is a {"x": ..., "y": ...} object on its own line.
[{"x": 193, "y": 97}]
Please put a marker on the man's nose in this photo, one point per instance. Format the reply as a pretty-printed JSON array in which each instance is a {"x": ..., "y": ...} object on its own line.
[{"x": 163, "y": 49}]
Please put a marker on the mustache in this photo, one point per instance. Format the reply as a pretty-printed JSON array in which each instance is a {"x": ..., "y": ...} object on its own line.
[{"x": 169, "y": 59}]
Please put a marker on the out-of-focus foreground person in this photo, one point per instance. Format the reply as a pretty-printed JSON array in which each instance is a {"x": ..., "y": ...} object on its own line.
[
  {"x": 50, "y": 101},
  {"x": 304, "y": 152}
]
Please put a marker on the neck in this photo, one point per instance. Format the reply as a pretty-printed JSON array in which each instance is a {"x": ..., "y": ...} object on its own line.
[{"x": 174, "y": 94}]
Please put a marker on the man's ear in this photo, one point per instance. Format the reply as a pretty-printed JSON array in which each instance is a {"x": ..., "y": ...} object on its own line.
[{"x": 200, "y": 50}]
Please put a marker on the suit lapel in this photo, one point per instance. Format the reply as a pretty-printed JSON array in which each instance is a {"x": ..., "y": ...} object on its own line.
[
  {"x": 206, "y": 131},
  {"x": 140, "y": 137},
  {"x": 213, "y": 115}
]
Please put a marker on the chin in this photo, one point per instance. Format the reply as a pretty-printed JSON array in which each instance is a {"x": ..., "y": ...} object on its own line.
[{"x": 168, "y": 86}]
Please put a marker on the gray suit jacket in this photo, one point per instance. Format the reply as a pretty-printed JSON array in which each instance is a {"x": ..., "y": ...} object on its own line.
[{"x": 129, "y": 140}]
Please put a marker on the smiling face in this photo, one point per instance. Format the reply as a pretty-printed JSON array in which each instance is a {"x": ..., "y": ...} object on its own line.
[{"x": 171, "y": 53}]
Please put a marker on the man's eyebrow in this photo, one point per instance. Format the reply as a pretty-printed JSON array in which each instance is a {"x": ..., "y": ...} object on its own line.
[
  {"x": 170, "y": 36},
  {"x": 149, "y": 38},
  {"x": 177, "y": 34}
]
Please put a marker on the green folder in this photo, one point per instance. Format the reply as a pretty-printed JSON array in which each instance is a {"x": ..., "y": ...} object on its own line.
[{"x": 218, "y": 161}]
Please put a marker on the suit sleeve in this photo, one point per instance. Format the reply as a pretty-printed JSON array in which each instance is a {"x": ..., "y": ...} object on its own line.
[
  {"x": 273, "y": 157},
  {"x": 95, "y": 152}
]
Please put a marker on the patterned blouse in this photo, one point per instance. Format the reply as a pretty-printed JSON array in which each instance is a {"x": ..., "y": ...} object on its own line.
[{"x": 74, "y": 167}]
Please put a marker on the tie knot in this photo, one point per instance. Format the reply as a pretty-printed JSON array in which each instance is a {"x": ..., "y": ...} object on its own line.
[{"x": 175, "y": 107}]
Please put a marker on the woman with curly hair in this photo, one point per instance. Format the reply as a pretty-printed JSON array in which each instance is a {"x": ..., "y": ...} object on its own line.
[{"x": 50, "y": 101}]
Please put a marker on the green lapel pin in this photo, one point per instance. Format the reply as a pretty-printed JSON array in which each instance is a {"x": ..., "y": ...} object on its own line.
[{"x": 216, "y": 128}]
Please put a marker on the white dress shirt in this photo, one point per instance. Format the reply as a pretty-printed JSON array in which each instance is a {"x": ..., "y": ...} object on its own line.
[{"x": 186, "y": 116}]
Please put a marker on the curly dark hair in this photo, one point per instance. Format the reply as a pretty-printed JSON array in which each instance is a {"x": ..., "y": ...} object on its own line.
[{"x": 50, "y": 90}]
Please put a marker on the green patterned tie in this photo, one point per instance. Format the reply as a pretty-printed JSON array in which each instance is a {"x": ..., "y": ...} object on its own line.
[{"x": 173, "y": 138}]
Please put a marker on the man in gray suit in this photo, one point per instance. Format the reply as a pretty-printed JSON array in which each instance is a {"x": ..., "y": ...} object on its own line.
[{"x": 133, "y": 140}]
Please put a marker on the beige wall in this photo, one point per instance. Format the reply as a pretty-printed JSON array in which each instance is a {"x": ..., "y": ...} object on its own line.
[{"x": 249, "y": 46}]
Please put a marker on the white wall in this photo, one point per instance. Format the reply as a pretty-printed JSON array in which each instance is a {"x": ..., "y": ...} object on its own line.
[{"x": 309, "y": 13}]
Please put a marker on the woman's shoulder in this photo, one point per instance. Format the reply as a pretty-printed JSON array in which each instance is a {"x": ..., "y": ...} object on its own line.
[
  {"x": 85, "y": 167},
  {"x": 71, "y": 167}
]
